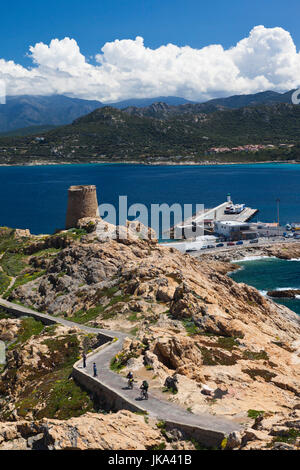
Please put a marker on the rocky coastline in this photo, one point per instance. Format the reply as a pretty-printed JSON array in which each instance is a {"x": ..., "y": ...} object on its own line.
[{"x": 233, "y": 352}]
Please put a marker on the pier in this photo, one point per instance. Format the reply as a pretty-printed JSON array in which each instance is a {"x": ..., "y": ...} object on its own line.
[{"x": 207, "y": 218}]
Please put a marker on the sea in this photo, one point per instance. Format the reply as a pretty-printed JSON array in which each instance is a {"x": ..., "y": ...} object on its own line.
[
  {"x": 35, "y": 197},
  {"x": 271, "y": 274}
]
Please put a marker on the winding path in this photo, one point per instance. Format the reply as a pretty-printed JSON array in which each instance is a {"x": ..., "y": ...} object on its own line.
[{"x": 205, "y": 428}]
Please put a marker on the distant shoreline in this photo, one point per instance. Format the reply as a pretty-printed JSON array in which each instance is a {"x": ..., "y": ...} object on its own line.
[{"x": 157, "y": 163}]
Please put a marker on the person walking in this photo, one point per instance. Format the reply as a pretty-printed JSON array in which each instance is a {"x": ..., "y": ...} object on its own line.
[
  {"x": 84, "y": 360},
  {"x": 95, "y": 369}
]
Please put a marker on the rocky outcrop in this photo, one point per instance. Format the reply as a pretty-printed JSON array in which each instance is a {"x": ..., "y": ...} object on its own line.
[
  {"x": 287, "y": 293},
  {"x": 287, "y": 251},
  {"x": 114, "y": 431},
  {"x": 230, "y": 349},
  {"x": 270, "y": 431}
]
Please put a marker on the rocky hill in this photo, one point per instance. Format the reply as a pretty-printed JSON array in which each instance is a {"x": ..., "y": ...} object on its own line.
[
  {"x": 230, "y": 351},
  {"x": 164, "y": 110},
  {"x": 29, "y": 114}
]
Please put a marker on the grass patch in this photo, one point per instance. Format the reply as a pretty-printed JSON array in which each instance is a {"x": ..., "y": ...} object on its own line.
[
  {"x": 291, "y": 437},
  {"x": 13, "y": 263},
  {"x": 161, "y": 425},
  {"x": 210, "y": 358},
  {"x": 227, "y": 343},
  {"x": 254, "y": 414},
  {"x": 65, "y": 400},
  {"x": 8, "y": 241},
  {"x": 108, "y": 292},
  {"x": 190, "y": 327},
  {"x": 76, "y": 233},
  {"x": 169, "y": 390},
  {"x": 134, "y": 331},
  {"x": 116, "y": 364},
  {"x": 4, "y": 282},
  {"x": 47, "y": 251},
  {"x": 24, "y": 279},
  {"x": 29, "y": 327},
  {"x": 50, "y": 330},
  {"x": 255, "y": 356},
  {"x": 160, "y": 446},
  {"x": 61, "y": 396},
  {"x": 141, "y": 413},
  {"x": 83, "y": 316},
  {"x": 132, "y": 317}
]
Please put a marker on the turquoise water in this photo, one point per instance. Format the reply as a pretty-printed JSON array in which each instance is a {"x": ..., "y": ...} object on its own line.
[
  {"x": 36, "y": 197},
  {"x": 270, "y": 274}
]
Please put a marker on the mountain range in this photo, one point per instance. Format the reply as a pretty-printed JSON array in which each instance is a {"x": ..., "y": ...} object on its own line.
[
  {"x": 25, "y": 115},
  {"x": 110, "y": 134}
]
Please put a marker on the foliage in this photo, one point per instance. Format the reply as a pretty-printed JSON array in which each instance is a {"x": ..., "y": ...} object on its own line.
[
  {"x": 4, "y": 282},
  {"x": 255, "y": 356},
  {"x": 291, "y": 437},
  {"x": 109, "y": 134},
  {"x": 29, "y": 327},
  {"x": 255, "y": 413},
  {"x": 12, "y": 263},
  {"x": 227, "y": 342},
  {"x": 23, "y": 279},
  {"x": 116, "y": 364},
  {"x": 190, "y": 327},
  {"x": 83, "y": 316}
]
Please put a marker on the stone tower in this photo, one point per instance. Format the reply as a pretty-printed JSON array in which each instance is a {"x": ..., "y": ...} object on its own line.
[{"x": 82, "y": 202}]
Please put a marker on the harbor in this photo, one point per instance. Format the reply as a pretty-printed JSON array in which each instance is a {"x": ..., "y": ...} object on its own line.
[
  {"x": 207, "y": 221},
  {"x": 228, "y": 226}
]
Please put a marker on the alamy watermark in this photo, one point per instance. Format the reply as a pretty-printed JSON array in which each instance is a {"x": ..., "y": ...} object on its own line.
[
  {"x": 159, "y": 220},
  {"x": 296, "y": 97}
]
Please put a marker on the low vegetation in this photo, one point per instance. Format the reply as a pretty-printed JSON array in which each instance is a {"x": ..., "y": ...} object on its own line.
[
  {"x": 49, "y": 389},
  {"x": 177, "y": 136},
  {"x": 4, "y": 282}
]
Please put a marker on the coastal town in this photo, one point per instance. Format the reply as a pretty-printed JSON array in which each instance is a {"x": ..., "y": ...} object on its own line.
[{"x": 247, "y": 148}]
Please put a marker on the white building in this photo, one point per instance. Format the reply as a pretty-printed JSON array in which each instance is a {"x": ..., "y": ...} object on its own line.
[{"x": 230, "y": 228}]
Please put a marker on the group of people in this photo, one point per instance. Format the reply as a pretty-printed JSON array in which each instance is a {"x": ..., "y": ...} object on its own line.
[{"x": 144, "y": 387}]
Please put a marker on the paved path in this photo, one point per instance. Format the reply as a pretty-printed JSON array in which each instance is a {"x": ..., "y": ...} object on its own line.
[{"x": 208, "y": 429}]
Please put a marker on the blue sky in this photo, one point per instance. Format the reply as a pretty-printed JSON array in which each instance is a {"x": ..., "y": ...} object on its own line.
[
  {"x": 183, "y": 22},
  {"x": 118, "y": 49}
]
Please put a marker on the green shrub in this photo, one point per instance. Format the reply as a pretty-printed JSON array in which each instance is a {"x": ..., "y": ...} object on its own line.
[
  {"x": 190, "y": 327},
  {"x": 255, "y": 356},
  {"x": 12, "y": 263},
  {"x": 255, "y": 413},
  {"x": 4, "y": 282},
  {"x": 29, "y": 327},
  {"x": 227, "y": 342}
]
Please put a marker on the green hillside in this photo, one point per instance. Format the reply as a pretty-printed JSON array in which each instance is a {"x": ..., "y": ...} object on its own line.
[{"x": 109, "y": 134}]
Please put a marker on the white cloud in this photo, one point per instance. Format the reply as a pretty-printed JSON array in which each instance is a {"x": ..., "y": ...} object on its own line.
[{"x": 266, "y": 59}]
